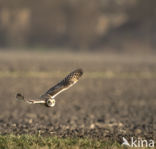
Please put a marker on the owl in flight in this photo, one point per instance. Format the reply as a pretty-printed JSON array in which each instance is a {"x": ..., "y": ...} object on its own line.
[{"x": 48, "y": 99}]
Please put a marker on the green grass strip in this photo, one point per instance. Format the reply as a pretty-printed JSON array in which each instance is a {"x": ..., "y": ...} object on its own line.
[{"x": 40, "y": 142}]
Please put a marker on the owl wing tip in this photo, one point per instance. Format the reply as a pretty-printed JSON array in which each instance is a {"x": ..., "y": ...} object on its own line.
[
  {"x": 79, "y": 71},
  {"x": 19, "y": 96},
  {"x": 74, "y": 76}
]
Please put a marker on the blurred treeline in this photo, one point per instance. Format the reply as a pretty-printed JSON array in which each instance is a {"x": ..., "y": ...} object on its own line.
[{"x": 81, "y": 24}]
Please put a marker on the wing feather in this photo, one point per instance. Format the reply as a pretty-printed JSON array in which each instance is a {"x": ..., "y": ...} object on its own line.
[
  {"x": 63, "y": 85},
  {"x": 29, "y": 101}
]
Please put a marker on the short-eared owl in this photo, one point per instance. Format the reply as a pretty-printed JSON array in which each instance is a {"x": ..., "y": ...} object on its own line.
[{"x": 48, "y": 98}]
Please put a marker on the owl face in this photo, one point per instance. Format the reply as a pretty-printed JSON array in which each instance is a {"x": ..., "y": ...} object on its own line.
[{"x": 50, "y": 102}]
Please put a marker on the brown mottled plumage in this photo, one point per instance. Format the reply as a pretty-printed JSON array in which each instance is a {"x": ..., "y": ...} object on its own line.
[{"x": 48, "y": 97}]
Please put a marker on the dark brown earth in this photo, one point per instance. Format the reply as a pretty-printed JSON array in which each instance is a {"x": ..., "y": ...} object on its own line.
[{"x": 116, "y": 97}]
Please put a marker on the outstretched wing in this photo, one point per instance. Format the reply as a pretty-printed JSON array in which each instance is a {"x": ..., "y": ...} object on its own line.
[
  {"x": 29, "y": 101},
  {"x": 66, "y": 83}
]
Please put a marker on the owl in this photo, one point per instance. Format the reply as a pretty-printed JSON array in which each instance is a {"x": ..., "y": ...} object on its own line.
[{"x": 48, "y": 98}]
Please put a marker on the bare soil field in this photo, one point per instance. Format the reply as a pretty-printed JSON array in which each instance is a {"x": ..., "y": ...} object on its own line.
[{"x": 116, "y": 97}]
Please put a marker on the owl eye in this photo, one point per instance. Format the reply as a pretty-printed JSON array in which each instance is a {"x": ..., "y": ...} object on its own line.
[{"x": 49, "y": 102}]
